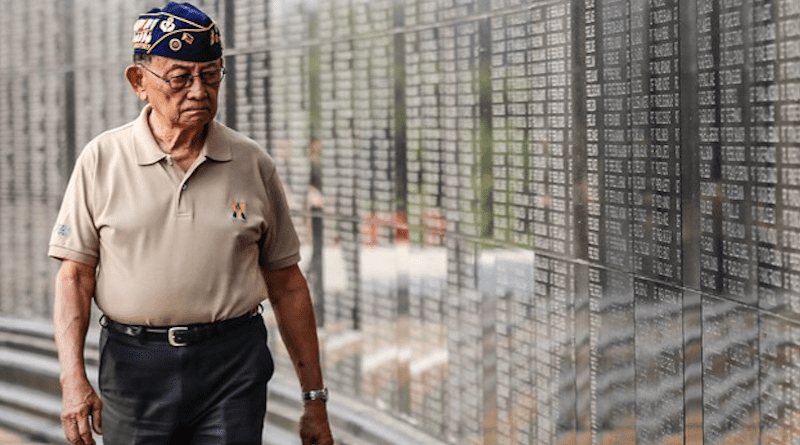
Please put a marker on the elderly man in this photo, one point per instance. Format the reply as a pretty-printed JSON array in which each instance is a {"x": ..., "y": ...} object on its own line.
[{"x": 178, "y": 228}]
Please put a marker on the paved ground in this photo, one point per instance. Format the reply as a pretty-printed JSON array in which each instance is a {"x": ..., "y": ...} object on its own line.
[{"x": 9, "y": 438}]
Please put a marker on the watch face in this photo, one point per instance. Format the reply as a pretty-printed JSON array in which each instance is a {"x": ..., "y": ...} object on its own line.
[{"x": 316, "y": 394}]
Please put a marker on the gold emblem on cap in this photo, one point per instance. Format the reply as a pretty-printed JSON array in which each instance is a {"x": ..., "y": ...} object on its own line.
[
  {"x": 188, "y": 38},
  {"x": 175, "y": 45}
]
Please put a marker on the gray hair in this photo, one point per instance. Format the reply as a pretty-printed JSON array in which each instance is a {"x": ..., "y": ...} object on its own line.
[{"x": 142, "y": 58}]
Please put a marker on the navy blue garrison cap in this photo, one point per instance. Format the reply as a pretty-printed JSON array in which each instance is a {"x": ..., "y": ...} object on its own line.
[{"x": 178, "y": 31}]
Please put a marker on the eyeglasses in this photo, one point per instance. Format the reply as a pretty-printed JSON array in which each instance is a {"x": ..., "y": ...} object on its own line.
[{"x": 210, "y": 78}]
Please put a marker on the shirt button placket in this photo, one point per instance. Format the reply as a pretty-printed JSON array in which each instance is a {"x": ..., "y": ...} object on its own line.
[{"x": 182, "y": 203}]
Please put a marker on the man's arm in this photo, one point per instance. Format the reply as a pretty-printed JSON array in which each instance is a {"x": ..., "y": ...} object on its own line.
[
  {"x": 74, "y": 291},
  {"x": 294, "y": 312}
]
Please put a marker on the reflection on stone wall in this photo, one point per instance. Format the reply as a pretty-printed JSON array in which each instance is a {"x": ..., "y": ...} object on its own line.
[{"x": 524, "y": 221}]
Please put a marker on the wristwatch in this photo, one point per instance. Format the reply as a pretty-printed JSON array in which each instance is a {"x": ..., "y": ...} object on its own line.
[{"x": 316, "y": 394}]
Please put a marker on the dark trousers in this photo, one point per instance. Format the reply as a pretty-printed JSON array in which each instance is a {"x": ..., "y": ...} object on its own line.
[{"x": 211, "y": 392}]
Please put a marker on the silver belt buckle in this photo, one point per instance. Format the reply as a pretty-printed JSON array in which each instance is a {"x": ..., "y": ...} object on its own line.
[{"x": 171, "y": 336}]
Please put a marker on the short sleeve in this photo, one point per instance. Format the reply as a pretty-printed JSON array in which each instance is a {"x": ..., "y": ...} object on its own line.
[
  {"x": 281, "y": 245},
  {"x": 75, "y": 236}
]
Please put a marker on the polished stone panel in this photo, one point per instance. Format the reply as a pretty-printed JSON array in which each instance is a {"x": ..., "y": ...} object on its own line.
[{"x": 660, "y": 381}]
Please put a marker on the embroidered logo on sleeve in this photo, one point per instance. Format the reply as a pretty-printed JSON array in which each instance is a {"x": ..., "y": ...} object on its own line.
[
  {"x": 63, "y": 230},
  {"x": 238, "y": 209}
]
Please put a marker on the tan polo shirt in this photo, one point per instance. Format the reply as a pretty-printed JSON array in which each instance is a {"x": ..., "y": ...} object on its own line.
[{"x": 173, "y": 248}]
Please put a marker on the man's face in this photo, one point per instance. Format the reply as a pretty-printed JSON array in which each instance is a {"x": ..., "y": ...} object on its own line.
[{"x": 190, "y": 107}]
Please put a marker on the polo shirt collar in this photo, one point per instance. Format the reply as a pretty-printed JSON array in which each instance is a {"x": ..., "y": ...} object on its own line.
[
  {"x": 216, "y": 146},
  {"x": 145, "y": 146},
  {"x": 148, "y": 152}
]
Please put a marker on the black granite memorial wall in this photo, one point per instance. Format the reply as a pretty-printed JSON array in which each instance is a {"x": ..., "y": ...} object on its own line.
[{"x": 523, "y": 221}]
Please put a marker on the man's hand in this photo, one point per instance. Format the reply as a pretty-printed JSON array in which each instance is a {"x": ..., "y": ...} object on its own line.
[
  {"x": 80, "y": 404},
  {"x": 314, "y": 429},
  {"x": 294, "y": 312},
  {"x": 74, "y": 292}
]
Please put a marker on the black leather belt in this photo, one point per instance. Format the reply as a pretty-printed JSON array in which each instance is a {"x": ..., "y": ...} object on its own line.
[{"x": 178, "y": 335}]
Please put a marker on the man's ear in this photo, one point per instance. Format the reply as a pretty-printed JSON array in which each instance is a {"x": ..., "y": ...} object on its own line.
[{"x": 135, "y": 78}]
